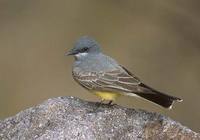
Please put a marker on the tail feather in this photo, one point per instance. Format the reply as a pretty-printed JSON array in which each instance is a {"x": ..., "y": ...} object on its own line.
[{"x": 157, "y": 97}]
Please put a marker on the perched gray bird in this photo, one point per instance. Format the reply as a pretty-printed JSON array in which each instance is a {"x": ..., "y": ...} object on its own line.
[{"x": 104, "y": 77}]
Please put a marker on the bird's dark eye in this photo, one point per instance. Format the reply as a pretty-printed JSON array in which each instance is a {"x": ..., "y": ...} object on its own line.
[{"x": 84, "y": 49}]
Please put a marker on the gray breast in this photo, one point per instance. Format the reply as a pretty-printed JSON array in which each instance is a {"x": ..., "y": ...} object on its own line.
[{"x": 95, "y": 63}]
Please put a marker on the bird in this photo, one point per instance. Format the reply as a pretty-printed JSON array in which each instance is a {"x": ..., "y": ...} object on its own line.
[{"x": 105, "y": 77}]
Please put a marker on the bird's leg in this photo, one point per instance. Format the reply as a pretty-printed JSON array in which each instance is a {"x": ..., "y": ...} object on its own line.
[
  {"x": 110, "y": 102},
  {"x": 98, "y": 104}
]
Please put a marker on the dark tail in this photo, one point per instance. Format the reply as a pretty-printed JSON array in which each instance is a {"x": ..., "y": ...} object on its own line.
[{"x": 157, "y": 97}]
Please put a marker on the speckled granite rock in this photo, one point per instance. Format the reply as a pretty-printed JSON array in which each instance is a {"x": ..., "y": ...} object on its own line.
[{"x": 71, "y": 118}]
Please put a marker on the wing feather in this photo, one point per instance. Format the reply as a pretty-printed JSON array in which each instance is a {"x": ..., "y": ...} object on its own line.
[{"x": 117, "y": 80}]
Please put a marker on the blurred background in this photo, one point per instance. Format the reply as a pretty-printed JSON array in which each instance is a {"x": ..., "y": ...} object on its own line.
[{"x": 158, "y": 40}]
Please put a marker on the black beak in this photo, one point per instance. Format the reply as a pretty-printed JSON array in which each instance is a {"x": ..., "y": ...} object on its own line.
[{"x": 71, "y": 52}]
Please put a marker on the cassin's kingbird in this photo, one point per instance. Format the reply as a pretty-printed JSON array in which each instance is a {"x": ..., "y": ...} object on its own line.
[{"x": 104, "y": 77}]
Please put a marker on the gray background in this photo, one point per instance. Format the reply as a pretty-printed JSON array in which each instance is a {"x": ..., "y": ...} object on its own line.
[{"x": 158, "y": 40}]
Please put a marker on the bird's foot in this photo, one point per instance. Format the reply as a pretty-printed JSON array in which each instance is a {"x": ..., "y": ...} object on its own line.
[{"x": 102, "y": 104}]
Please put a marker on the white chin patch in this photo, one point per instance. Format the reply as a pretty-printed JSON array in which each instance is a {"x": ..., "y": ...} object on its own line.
[{"x": 79, "y": 55}]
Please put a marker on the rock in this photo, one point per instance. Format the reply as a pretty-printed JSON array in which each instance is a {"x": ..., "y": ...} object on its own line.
[{"x": 71, "y": 118}]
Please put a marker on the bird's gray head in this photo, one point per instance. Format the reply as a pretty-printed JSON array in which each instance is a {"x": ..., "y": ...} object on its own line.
[{"x": 84, "y": 46}]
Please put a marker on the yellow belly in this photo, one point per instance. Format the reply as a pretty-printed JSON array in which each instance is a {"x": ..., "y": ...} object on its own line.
[{"x": 107, "y": 95}]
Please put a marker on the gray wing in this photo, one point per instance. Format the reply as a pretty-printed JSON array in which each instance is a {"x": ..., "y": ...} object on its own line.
[{"x": 119, "y": 80}]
